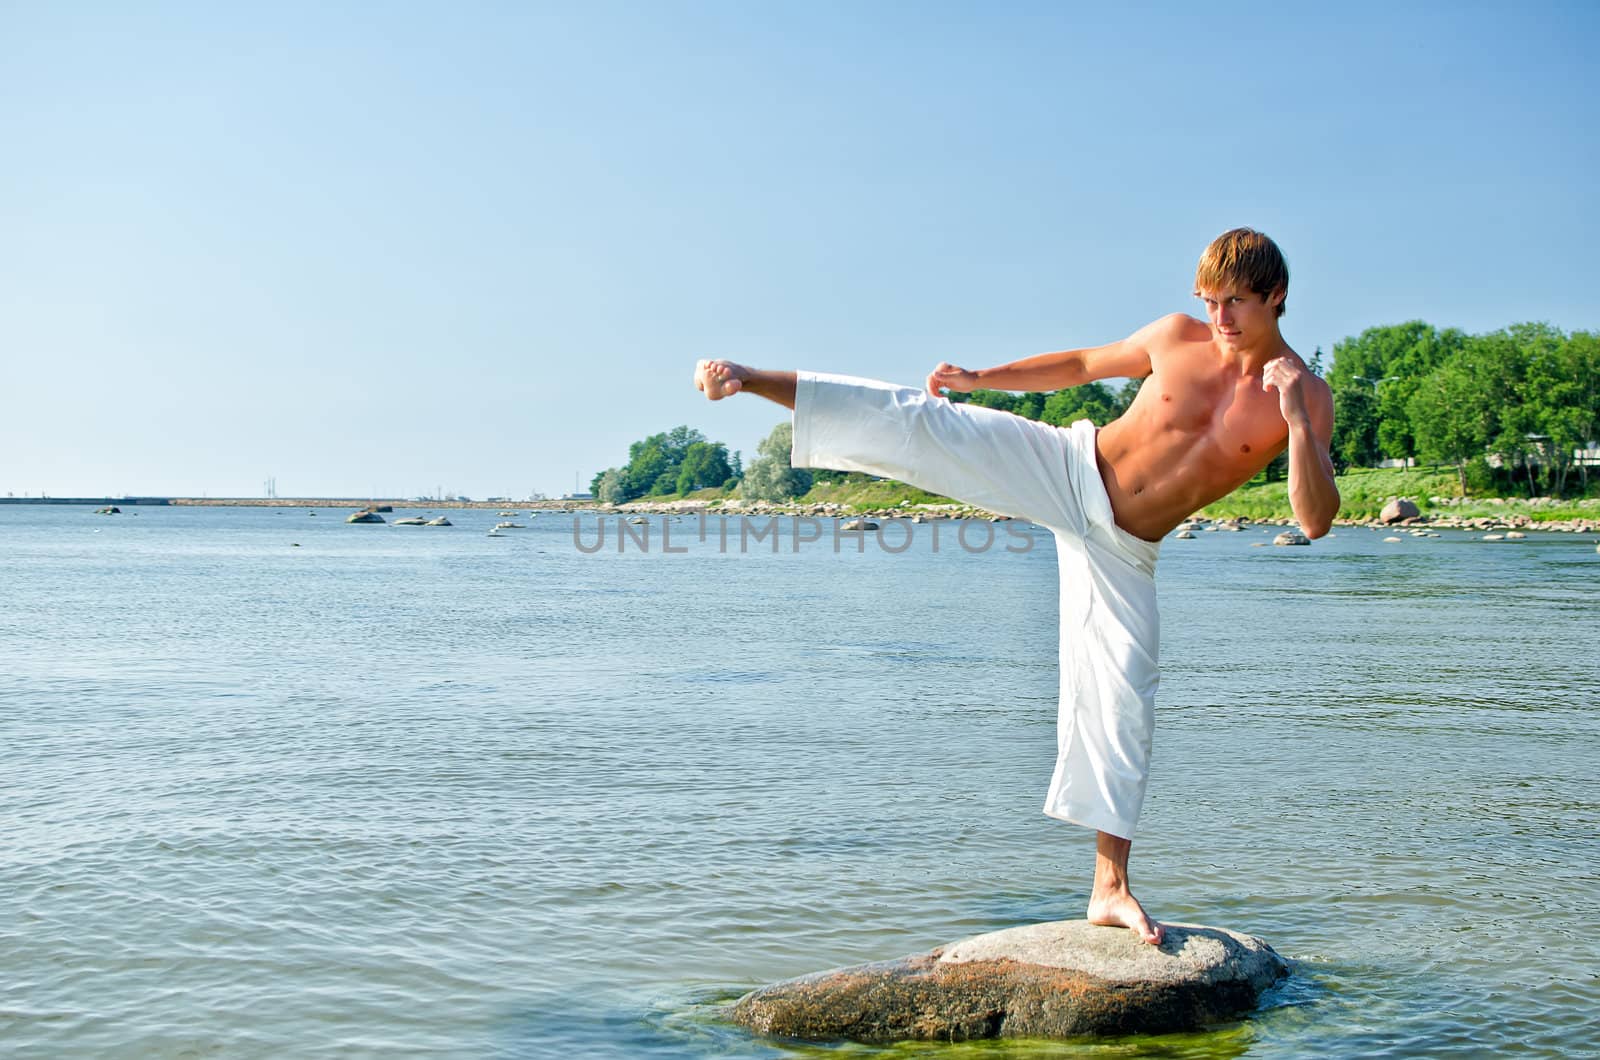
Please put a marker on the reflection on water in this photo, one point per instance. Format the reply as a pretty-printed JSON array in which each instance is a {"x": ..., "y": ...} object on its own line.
[{"x": 405, "y": 790}]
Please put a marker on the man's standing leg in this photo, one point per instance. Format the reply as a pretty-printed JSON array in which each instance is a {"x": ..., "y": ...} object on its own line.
[{"x": 1112, "y": 902}]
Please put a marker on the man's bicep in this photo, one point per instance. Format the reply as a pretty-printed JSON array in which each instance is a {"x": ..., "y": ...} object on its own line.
[{"x": 1129, "y": 358}]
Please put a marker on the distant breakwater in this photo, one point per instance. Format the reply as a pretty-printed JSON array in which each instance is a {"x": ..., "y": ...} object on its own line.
[
  {"x": 295, "y": 502},
  {"x": 94, "y": 502}
]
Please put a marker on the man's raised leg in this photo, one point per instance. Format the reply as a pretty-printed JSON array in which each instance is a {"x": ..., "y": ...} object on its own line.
[
  {"x": 720, "y": 378},
  {"x": 1000, "y": 458},
  {"x": 1112, "y": 903}
]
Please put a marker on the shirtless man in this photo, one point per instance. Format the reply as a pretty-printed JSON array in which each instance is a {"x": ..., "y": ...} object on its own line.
[{"x": 1221, "y": 398}]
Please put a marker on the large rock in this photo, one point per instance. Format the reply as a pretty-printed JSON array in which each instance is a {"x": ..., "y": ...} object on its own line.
[
  {"x": 1055, "y": 980},
  {"x": 1397, "y": 509}
]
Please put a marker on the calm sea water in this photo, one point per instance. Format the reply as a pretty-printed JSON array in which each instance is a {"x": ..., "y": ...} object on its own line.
[{"x": 416, "y": 791}]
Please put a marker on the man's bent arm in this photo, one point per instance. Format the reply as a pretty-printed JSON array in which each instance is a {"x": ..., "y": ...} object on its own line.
[
  {"x": 1065, "y": 368},
  {"x": 1313, "y": 493}
]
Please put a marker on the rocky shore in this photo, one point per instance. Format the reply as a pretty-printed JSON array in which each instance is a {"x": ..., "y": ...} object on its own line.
[
  {"x": 1513, "y": 514},
  {"x": 1512, "y": 519}
]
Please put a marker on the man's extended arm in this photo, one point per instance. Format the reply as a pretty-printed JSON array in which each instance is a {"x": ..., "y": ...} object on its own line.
[
  {"x": 1055, "y": 371},
  {"x": 1307, "y": 406}
]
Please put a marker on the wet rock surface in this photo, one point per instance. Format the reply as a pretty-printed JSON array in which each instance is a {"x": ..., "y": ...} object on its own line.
[{"x": 1055, "y": 980}]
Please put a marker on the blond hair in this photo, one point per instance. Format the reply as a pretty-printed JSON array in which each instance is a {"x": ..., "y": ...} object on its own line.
[{"x": 1243, "y": 257}]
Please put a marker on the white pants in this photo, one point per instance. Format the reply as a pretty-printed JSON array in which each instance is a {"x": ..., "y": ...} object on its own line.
[{"x": 1048, "y": 475}]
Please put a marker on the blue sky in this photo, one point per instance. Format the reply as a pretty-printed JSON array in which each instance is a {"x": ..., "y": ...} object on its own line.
[{"x": 386, "y": 248}]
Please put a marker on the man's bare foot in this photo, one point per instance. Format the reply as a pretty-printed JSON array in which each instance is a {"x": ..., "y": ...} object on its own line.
[
  {"x": 718, "y": 378},
  {"x": 1119, "y": 908}
]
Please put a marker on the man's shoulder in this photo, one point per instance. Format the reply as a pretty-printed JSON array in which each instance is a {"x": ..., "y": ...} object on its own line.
[
  {"x": 1184, "y": 325},
  {"x": 1174, "y": 329},
  {"x": 1317, "y": 382}
]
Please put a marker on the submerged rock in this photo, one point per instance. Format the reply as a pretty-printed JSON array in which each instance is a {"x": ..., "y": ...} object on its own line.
[
  {"x": 365, "y": 517},
  {"x": 1054, "y": 980},
  {"x": 1291, "y": 537}
]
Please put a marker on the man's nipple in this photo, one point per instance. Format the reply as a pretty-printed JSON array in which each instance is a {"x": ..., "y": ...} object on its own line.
[{"x": 1244, "y": 448}]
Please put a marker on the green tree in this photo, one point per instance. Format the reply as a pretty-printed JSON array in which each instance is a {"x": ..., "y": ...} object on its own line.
[
  {"x": 1355, "y": 426},
  {"x": 1581, "y": 358},
  {"x": 993, "y": 399},
  {"x": 1451, "y": 422},
  {"x": 823, "y": 474},
  {"x": 770, "y": 476},
  {"x": 704, "y": 464},
  {"x": 653, "y": 462},
  {"x": 1391, "y": 360},
  {"x": 1091, "y": 401},
  {"x": 1498, "y": 368},
  {"x": 647, "y": 463},
  {"x": 608, "y": 487},
  {"x": 655, "y": 467},
  {"x": 1557, "y": 410},
  {"x": 1030, "y": 405}
]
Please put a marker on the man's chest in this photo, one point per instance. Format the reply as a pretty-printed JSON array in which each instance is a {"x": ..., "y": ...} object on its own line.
[{"x": 1238, "y": 419}]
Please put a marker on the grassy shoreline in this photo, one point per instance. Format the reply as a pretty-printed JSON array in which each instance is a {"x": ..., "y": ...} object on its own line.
[{"x": 1363, "y": 493}]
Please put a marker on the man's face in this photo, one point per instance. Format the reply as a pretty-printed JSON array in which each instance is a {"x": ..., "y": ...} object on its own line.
[{"x": 1239, "y": 316}]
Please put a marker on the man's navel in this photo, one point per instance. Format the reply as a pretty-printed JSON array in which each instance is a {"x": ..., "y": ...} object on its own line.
[{"x": 1244, "y": 448}]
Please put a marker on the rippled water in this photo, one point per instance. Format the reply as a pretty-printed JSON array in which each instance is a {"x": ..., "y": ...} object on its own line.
[{"x": 417, "y": 791}]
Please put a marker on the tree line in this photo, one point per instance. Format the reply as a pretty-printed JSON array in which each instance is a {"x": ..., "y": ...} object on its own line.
[{"x": 1508, "y": 409}]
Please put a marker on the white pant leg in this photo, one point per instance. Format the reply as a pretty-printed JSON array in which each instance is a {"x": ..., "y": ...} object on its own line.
[
  {"x": 985, "y": 457},
  {"x": 1110, "y": 637},
  {"x": 1008, "y": 464}
]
